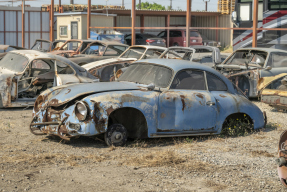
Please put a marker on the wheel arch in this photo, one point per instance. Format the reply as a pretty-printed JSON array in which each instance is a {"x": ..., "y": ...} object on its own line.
[{"x": 132, "y": 119}]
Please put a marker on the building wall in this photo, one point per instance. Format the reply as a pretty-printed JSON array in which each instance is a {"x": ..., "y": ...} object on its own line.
[
  {"x": 224, "y": 36},
  {"x": 36, "y": 26},
  {"x": 96, "y": 20}
]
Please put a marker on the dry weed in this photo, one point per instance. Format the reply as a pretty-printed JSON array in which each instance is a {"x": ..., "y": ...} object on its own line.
[
  {"x": 215, "y": 186},
  {"x": 156, "y": 159},
  {"x": 259, "y": 153}
]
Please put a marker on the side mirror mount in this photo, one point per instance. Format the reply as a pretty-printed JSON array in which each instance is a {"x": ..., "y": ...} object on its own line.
[
  {"x": 268, "y": 68},
  {"x": 234, "y": 16},
  {"x": 150, "y": 86}
]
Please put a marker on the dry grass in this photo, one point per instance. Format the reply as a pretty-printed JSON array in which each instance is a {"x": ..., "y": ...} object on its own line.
[
  {"x": 41, "y": 159},
  {"x": 215, "y": 186},
  {"x": 259, "y": 153},
  {"x": 228, "y": 49},
  {"x": 156, "y": 159}
]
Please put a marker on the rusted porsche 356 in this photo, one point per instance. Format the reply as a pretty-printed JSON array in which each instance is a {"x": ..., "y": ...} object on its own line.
[
  {"x": 24, "y": 74},
  {"x": 282, "y": 160},
  {"x": 247, "y": 67},
  {"x": 153, "y": 98}
]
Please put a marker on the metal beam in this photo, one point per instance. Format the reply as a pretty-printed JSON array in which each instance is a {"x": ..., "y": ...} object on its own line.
[
  {"x": 52, "y": 21},
  {"x": 188, "y": 22},
  {"x": 88, "y": 19},
  {"x": 142, "y": 22},
  {"x": 133, "y": 22},
  {"x": 255, "y": 23},
  {"x": 23, "y": 23},
  {"x": 167, "y": 31}
]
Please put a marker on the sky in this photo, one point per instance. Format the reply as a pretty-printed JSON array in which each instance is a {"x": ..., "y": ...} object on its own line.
[{"x": 176, "y": 4}]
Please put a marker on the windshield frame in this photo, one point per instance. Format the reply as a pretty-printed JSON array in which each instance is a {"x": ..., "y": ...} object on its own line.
[
  {"x": 71, "y": 41},
  {"x": 121, "y": 56},
  {"x": 154, "y": 64}
]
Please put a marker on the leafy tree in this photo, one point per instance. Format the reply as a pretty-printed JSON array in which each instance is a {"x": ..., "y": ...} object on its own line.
[{"x": 152, "y": 6}]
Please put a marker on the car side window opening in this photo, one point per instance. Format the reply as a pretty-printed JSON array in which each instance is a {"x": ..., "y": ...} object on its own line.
[
  {"x": 250, "y": 56},
  {"x": 215, "y": 83},
  {"x": 128, "y": 37},
  {"x": 175, "y": 34},
  {"x": 63, "y": 68},
  {"x": 277, "y": 59},
  {"x": 189, "y": 79},
  {"x": 114, "y": 50},
  {"x": 40, "y": 64}
]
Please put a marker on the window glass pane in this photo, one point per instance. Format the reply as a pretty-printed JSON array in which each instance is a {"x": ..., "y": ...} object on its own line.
[
  {"x": 63, "y": 30},
  {"x": 214, "y": 83},
  {"x": 244, "y": 14},
  {"x": 277, "y": 59},
  {"x": 189, "y": 79},
  {"x": 147, "y": 74}
]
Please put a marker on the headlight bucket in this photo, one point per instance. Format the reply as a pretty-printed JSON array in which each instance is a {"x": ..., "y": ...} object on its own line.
[
  {"x": 39, "y": 101},
  {"x": 81, "y": 110}
]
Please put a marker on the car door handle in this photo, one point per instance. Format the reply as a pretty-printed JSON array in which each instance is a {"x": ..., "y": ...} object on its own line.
[{"x": 210, "y": 103}]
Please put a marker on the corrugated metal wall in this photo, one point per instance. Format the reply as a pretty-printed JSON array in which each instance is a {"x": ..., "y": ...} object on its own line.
[
  {"x": 224, "y": 36},
  {"x": 36, "y": 27},
  {"x": 126, "y": 21}
]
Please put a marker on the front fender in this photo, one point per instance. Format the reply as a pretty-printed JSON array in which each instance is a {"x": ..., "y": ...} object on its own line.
[{"x": 103, "y": 104}]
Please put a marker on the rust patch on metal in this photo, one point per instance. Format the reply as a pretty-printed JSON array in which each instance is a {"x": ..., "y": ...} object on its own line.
[
  {"x": 132, "y": 98},
  {"x": 199, "y": 95},
  {"x": 182, "y": 97},
  {"x": 69, "y": 90},
  {"x": 54, "y": 101},
  {"x": 99, "y": 121},
  {"x": 110, "y": 110},
  {"x": 223, "y": 96}
]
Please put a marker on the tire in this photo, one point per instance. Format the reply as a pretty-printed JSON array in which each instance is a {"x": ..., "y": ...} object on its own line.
[{"x": 116, "y": 135}]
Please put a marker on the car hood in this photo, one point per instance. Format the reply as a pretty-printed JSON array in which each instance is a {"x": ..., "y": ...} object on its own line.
[
  {"x": 106, "y": 61},
  {"x": 71, "y": 92}
]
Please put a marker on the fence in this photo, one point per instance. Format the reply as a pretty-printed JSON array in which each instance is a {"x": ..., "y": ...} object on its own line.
[{"x": 36, "y": 27}]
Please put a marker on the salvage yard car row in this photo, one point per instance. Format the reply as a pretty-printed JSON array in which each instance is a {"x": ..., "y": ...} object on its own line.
[{"x": 91, "y": 88}]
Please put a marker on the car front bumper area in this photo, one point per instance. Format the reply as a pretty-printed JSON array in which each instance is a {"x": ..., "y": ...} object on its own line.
[{"x": 62, "y": 123}]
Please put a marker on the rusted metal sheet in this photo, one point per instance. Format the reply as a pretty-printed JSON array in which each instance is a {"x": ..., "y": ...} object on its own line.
[{"x": 143, "y": 110}]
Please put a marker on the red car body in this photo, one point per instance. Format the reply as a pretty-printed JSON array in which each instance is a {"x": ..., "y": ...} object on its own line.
[{"x": 178, "y": 37}]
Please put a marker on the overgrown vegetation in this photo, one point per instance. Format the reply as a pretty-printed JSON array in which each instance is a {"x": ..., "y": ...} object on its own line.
[
  {"x": 152, "y": 6},
  {"x": 227, "y": 49},
  {"x": 237, "y": 126}
]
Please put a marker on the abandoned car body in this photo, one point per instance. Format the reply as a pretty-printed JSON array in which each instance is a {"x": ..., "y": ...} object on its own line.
[
  {"x": 153, "y": 98},
  {"x": 245, "y": 67},
  {"x": 24, "y": 74},
  {"x": 4, "y": 49},
  {"x": 274, "y": 91},
  {"x": 105, "y": 69},
  {"x": 282, "y": 160},
  {"x": 99, "y": 50}
]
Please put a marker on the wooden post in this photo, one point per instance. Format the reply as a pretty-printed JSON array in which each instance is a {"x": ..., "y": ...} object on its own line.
[
  {"x": 188, "y": 22},
  {"x": 89, "y": 19},
  {"x": 23, "y": 23},
  {"x": 255, "y": 23},
  {"x": 52, "y": 21},
  {"x": 167, "y": 31},
  {"x": 133, "y": 21}
]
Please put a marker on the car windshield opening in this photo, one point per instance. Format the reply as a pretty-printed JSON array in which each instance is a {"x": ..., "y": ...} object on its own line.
[
  {"x": 14, "y": 62},
  {"x": 250, "y": 56},
  {"x": 71, "y": 45},
  {"x": 135, "y": 52},
  {"x": 41, "y": 46},
  {"x": 144, "y": 73},
  {"x": 94, "y": 49}
]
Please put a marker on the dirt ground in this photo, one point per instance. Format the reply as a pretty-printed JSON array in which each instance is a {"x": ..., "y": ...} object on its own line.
[{"x": 41, "y": 163}]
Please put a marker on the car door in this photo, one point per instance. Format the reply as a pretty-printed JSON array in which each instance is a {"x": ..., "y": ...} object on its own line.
[
  {"x": 187, "y": 106},
  {"x": 278, "y": 63}
]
